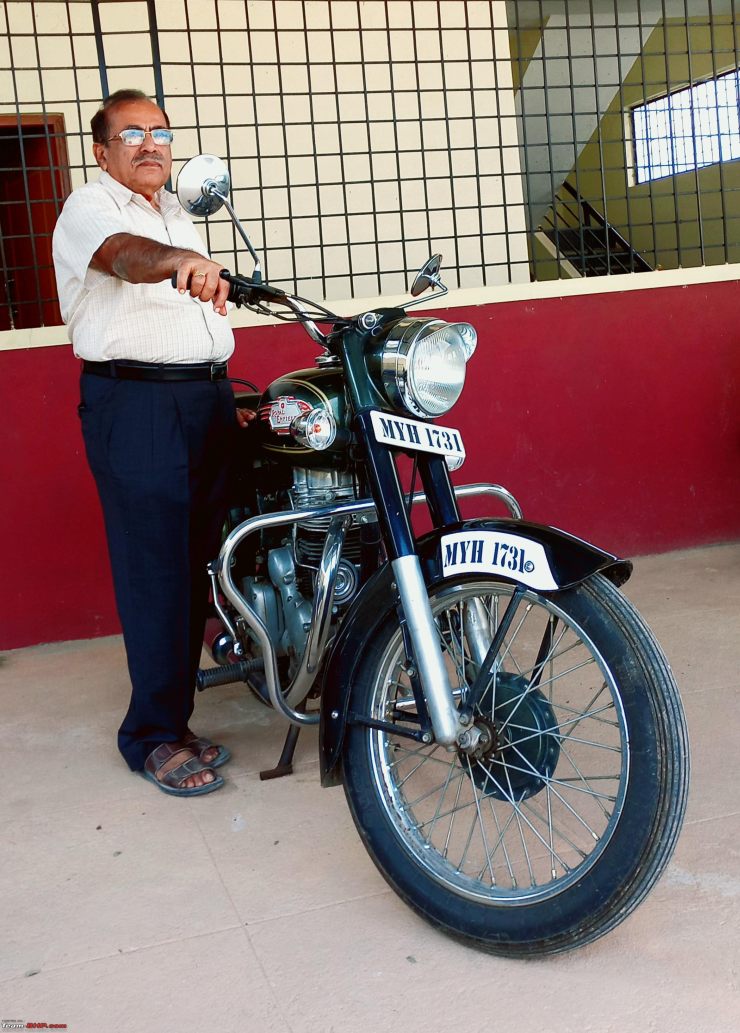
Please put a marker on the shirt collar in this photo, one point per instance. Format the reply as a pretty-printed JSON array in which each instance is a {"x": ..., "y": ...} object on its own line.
[{"x": 121, "y": 194}]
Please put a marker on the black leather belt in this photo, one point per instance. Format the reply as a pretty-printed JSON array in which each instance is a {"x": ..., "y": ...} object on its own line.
[{"x": 125, "y": 370}]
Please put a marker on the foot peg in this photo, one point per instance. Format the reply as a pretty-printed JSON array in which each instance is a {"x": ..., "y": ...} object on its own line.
[{"x": 208, "y": 677}]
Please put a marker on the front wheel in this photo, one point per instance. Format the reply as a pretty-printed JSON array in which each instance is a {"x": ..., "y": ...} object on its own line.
[{"x": 558, "y": 825}]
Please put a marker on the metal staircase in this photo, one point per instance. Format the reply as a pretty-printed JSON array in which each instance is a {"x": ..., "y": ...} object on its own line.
[{"x": 584, "y": 241}]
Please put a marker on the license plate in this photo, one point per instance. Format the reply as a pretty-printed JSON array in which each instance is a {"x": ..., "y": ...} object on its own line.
[
  {"x": 417, "y": 436},
  {"x": 497, "y": 552}
]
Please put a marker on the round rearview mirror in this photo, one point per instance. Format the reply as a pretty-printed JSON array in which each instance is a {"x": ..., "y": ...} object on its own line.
[
  {"x": 428, "y": 276},
  {"x": 200, "y": 182}
]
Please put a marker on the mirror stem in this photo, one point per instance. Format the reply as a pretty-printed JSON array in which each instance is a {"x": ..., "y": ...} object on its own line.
[
  {"x": 434, "y": 282},
  {"x": 211, "y": 190}
]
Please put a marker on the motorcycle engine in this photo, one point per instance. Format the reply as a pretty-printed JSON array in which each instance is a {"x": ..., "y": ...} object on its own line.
[{"x": 323, "y": 488}]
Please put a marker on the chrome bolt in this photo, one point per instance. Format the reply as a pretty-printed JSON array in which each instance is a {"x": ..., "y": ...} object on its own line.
[
  {"x": 426, "y": 737},
  {"x": 334, "y": 715},
  {"x": 463, "y": 739},
  {"x": 465, "y": 719},
  {"x": 369, "y": 320}
]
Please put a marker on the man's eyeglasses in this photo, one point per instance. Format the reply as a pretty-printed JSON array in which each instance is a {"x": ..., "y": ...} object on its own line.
[{"x": 136, "y": 137}]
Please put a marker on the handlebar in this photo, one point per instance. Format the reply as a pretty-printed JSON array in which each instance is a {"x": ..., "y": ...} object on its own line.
[
  {"x": 243, "y": 291},
  {"x": 253, "y": 292}
]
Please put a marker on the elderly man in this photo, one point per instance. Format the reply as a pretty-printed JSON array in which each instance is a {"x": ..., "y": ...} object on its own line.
[{"x": 157, "y": 417}]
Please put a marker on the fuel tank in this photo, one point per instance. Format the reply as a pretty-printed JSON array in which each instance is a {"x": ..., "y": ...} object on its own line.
[{"x": 296, "y": 394}]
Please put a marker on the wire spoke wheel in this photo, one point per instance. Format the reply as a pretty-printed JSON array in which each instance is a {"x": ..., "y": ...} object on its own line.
[
  {"x": 530, "y": 811},
  {"x": 526, "y": 836}
]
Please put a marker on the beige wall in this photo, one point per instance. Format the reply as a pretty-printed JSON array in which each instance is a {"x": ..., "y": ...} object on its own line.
[{"x": 353, "y": 140}]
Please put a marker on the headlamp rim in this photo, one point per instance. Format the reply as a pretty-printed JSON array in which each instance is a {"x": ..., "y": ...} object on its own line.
[
  {"x": 394, "y": 361},
  {"x": 396, "y": 354}
]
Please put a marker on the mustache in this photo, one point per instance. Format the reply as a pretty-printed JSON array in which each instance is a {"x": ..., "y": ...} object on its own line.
[{"x": 149, "y": 158}]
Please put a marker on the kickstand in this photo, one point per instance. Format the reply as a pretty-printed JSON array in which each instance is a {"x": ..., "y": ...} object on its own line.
[{"x": 285, "y": 764}]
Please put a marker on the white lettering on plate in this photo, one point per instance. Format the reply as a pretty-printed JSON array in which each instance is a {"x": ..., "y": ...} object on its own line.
[{"x": 497, "y": 552}]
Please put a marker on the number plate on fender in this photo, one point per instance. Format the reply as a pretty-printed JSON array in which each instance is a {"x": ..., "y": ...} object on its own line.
[
  {"x": 418, "y": 436},
  {"x": 497, "y": 552}
]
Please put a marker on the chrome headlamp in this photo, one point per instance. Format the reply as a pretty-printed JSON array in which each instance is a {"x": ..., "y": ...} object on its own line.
[{"x": 423, "y": 364}]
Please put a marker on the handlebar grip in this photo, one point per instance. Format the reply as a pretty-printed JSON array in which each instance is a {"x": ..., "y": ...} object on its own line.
[
  {"x": 242, "y": 290},
  {"x": 235, "y": 295},
  {"x": 225, "y": 275}
]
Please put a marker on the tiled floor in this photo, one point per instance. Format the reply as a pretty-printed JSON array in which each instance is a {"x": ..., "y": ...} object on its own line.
[{"x": 257, "y": 909}]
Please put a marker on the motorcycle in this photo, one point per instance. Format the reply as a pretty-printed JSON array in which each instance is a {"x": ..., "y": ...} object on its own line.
[{"x": 508, "y": 732}]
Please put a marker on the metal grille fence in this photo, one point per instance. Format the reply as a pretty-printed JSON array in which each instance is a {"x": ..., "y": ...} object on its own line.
[
  {"x": 362, "y": 136},
  {"x": 586, "y": 73},
  {"x": 355, "y": 149}
]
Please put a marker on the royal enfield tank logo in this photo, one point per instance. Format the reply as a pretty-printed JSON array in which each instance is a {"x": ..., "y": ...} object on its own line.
[
  {"x": 281, "y": 413},
  {"x": 495, "y": 552}
]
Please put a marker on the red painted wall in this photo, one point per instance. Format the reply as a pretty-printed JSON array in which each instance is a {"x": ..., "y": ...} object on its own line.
[{"x": 614, "y": 416}]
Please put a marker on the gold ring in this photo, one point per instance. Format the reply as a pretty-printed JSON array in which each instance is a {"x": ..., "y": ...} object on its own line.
[{"x": 198, "y": 275}]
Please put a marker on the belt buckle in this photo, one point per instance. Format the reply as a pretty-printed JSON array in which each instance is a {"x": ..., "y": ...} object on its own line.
[{"x": 218, "y": 371}]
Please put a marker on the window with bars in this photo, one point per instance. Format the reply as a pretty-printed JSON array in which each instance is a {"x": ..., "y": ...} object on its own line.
[
  {"x": 688, "y": 129},
  {"x": 33, "y": 184}
]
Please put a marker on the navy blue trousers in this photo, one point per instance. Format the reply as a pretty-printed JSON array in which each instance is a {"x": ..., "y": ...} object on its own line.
[{"x": 160, "y": 453}]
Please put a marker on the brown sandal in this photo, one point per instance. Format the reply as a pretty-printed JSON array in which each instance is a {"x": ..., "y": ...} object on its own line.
[
  {"x": 171, "y": 782},
  {"x": 199, "y": 745}
]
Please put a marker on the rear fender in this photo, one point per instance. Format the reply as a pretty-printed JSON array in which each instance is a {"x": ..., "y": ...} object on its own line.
[{"x": 533, "y": 555}]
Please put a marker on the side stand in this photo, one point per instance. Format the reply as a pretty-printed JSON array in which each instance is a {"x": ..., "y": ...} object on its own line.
[{"x": 285, "y": 764}]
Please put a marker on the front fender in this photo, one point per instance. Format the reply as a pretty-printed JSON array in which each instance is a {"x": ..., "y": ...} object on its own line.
[
  {"x": 559, "y": 561},
  {"x": 534, "y": 555}
]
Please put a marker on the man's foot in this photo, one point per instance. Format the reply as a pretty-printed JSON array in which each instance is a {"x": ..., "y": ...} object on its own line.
[
  {"x": 175, "y": 769},
  {"x": 208, "y": 753}
]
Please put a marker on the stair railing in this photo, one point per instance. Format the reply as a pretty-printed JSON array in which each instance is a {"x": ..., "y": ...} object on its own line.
[{"x": 586, "y": 217}]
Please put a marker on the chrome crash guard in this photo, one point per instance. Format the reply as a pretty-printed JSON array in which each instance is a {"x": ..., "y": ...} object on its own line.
[{"x": 286, "y": 699}]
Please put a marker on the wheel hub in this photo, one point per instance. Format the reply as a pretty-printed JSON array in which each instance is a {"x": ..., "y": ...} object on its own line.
[{"x": 518, "y": 750}]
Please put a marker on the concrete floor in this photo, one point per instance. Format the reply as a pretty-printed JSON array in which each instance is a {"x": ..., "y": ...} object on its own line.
[{"x": 257, "y": 909}]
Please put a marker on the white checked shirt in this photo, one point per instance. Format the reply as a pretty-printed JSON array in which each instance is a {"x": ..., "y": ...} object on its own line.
[{"x": 109, "y": 318}]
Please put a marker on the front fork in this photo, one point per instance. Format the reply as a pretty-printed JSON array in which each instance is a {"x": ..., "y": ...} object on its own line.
[
  {"x": 428, "y": 655},
  {"x": 447, "y": 722}
]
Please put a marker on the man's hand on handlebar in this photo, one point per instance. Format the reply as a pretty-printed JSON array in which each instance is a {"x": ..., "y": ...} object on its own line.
[
  {"x": 202, "y": 279},
  {"x": 245, "y": 416}
]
